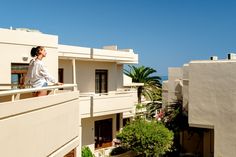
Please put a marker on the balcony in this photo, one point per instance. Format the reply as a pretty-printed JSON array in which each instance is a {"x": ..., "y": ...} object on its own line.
[
  {"x": 39, "y": 126},
  {"x": 92, "y": 105},
  {"x": 119, "y": 56}
]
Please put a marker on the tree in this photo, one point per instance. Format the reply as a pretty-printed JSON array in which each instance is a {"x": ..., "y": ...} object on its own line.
[
  {"x": 146, "y": 138},
  {"x": 175, "y": 118},
  {"x": 152, "y": 85},
  {"x": 152, "y": 108},
  {"x": 86, "y": 152}
]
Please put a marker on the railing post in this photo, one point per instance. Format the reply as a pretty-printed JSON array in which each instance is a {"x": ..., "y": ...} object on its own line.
[
  {"x": 54, "y": 91},
  {"x": 13, "y": 97}
]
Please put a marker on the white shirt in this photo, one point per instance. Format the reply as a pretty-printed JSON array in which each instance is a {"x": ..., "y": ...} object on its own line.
[{"x": 37, "y": 74}]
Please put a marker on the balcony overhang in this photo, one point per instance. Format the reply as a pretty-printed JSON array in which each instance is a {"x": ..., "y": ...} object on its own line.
[
  {"x": 83, "y": 53},
  {"x": 133, "y": 84},
  {"x": 21, "y": 37}
]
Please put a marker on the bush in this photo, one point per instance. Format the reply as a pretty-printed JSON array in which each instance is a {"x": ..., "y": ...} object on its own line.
[
  {"x": 86, "y": 152},
  {"x": 146, "y": 138},
  {"x": 118, "y": 150}
]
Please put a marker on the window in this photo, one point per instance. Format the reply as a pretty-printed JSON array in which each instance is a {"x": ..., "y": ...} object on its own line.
[
  {"x": 61, "y": 75},
  {"x": 126, "y": 121},
  {"x": 101, "y": 81},
  {"x": 103, "y": 133},
  {"x": 117, "y": 121},
  {"x": 18, "y": 73}
]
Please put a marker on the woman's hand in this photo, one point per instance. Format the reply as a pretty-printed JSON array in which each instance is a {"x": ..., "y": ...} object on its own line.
[{"x": 59, "y": 83}]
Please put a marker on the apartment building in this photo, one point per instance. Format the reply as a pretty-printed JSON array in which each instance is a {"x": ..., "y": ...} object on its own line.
[
  {"x": 207, "y": 89},
  {"x": 88, "y": 109}
]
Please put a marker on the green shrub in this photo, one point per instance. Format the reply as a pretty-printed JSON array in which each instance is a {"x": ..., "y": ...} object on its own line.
[
  {"x": 146, "y": 138},
  {"x": 86, "y": 152},
  {"x": 118, "y": 150}
]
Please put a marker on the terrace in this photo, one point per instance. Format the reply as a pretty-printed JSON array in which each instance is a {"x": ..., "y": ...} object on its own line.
[
  {"x": 39, "y": 126},
  {"x": 107, "y": 103}
]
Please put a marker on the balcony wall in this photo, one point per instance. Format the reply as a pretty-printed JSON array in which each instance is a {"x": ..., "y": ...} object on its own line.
[
  {"x": 95, "y": 105},
  {"x": 111, "y": 55},
  {"x": 66, "y": 51},
  {"x": 85, "y": 53},
  {"x": 40, "y": 126},
  {"x": 16, "y": 37}
]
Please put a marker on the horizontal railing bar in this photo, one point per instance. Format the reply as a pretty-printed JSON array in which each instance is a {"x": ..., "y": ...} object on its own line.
[
  {"x": 11, "y": 84},
  {"x": 28, "y": 90},
  {"x": 104, "y": 94}
]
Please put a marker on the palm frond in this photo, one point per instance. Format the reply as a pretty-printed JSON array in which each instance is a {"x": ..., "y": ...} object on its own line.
[{"x": 152, "y": 83}]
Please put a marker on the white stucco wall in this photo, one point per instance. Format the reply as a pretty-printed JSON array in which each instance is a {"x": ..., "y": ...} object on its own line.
[
  {"x": 40, "y": 126},
  {"x": 185, "y": 89},
  {"x": 175, "y": 76},
  {"x": 119, "y": 76},
  {"x": 85, "y": 75},
  {"x": 212, "y": 99},
  {"x": 165, "y": 93},
  {"x": 68, "y": 72},
  {"x": 17, "y": 44}
]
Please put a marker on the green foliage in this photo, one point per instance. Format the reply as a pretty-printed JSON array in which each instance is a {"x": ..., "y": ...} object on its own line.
[
  {"x": 86, "y": 152},
  {"x": 175, "y": 119},
  {"x": 118, "y": 150},
  {"x": 152, "y": 107},
  {"x": 142, "y": 74},
  {"x": 152, "y": 84},
  {"x": 139, "y": 106},
  {"x": 146, "y": 138}
]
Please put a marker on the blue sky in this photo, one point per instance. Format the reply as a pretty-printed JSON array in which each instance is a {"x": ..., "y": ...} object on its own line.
[{"x": 165, "y": 33}]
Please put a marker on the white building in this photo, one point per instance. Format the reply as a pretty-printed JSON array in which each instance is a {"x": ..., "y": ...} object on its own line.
[
  {"x": 89, "y": 112},
  {"x": 207, "y": 90}
]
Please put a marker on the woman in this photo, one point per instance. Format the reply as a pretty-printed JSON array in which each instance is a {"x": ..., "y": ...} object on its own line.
[{"x": 37, "y": 75}]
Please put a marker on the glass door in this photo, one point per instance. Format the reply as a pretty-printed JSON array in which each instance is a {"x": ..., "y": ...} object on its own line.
[{"x": 101, "y": 81}]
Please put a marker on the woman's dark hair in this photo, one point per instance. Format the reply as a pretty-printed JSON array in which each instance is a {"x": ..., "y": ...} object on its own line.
[{"x": 35, "y": 51}]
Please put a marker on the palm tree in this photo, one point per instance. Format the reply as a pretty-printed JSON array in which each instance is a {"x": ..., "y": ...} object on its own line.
[{"x": 152, "y": 85}]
